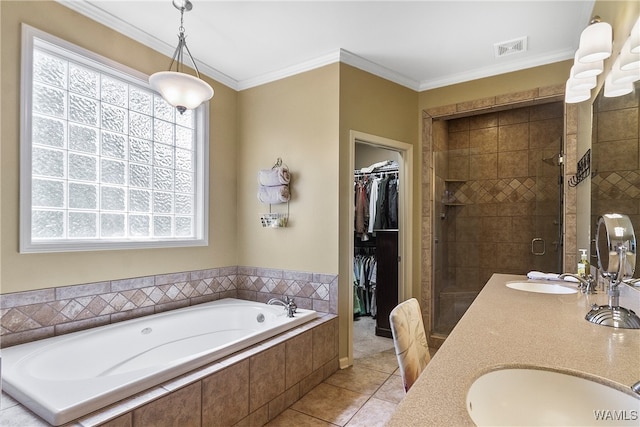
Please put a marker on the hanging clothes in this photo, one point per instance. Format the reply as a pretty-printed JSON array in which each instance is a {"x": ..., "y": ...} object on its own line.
[
  {"x": 364, "y": 267},
  {"x": 361, "y": 198},
  {"x": 382, "y": 207},
  {"x": 392, "y": 202},
  {"x": 373, "y": 203}
]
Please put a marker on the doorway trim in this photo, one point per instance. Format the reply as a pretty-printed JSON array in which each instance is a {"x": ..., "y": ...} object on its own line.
[{"x": 405, "y": 218}]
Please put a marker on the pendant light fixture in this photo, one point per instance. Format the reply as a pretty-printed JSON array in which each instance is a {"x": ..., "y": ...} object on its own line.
[
  {"x": 595, "y": 41},
  {"x": 181, "y": 90}
]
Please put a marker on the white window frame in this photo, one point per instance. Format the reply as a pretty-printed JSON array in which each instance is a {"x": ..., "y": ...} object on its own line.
[{"x": 32, "y": 36}]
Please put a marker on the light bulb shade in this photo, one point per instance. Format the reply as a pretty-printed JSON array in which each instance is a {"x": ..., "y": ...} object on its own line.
[
  {"x": 181, "y": 90},
  {"x": 586, "y": 69},
  {"x": 586, "y": 83},
  {"x": 572, "y": 96},
  {"x": 619, "y": 76},
  {"x": 612, "y": 90},
  {"x": 595, "y": 42},
  {"x": 628, "y": 59},
  {"x": 634, "y": 38}
]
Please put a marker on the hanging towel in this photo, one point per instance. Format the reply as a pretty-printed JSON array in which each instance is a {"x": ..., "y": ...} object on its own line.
[
  {"x": 538, "y": 275},
  {"x": 274, "y": 177},
  {"x": 273, "y": 195}
]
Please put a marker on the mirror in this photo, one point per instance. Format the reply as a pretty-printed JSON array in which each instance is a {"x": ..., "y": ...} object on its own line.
[
  {"x": 616, "y": 247},
  {"x": 615, "y": 164}
]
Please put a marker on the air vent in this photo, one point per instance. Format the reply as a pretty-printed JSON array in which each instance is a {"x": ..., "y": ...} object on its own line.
[{"x": 510, "y": 47}]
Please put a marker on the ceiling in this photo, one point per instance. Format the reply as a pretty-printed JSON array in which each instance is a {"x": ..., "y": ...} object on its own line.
[{"x": 418, "y": 44}]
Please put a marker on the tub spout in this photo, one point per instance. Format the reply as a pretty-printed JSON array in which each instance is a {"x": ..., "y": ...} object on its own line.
[{"x": 287, "y": 303}]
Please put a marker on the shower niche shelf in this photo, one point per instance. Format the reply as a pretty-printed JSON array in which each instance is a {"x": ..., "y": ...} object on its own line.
[{"x": 448, "y": 198}]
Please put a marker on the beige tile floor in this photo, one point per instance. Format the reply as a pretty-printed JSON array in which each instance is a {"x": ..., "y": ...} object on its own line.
[{"x": 365, "y": 394}]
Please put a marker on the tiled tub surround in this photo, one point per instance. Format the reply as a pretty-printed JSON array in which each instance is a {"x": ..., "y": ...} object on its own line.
[
  {"x": 63, "y": 378},
  {"x": 250, "y": 387},
  {"x": 32, "y": 315}
]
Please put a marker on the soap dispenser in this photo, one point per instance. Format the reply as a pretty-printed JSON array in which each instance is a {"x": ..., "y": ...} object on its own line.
[{"x": 584, "y": 269}]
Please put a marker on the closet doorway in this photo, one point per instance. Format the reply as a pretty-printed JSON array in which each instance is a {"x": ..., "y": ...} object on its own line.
[{"x": 380, "y": 243}]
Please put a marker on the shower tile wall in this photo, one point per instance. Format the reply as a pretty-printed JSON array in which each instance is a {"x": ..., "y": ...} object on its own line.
[{"x": 499, "y": 191}]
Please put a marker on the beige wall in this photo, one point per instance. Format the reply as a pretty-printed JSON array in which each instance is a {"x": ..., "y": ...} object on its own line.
[
  {"x": 295, "y": 119},
  {"x": 517, "y": 81},
  {"x": 377, "y": 107},
  {"x": 37, "y": 271}
]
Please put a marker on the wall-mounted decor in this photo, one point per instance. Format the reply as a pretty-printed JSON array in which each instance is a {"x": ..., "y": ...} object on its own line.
[{"x": 273, "y": 189}]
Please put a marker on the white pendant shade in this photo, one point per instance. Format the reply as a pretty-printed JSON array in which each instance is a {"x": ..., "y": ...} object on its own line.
[
  {"x": 612, "y": 90},
  {"x": 619, "y": 76},
  {"x": 595, "y": 42},
  {"x": 634, "y": 38},
  {"x": 572, "y": 96},
  {"x": 586, "y": 83},
  {"x": 586, "y": 69},
  {"x": 181, "y": 90},
  {"x": 628, "y": 59}
]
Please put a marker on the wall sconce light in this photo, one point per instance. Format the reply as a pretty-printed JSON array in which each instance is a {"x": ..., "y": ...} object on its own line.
[
  {"x": 628, "y": 59},
  {"x": 595, "y": 41},
  {"x": 586, "y": 69},
  {"x": 573, "y": 96},
  {"x": 619, "y": 76},
  {"x": 181, "y": 90},
  {"x": 583, "y": 84},
  {"x": 612, "y": 90},
  {"x": 595, "y": 47},
  {"x": 635, "y": 38}
]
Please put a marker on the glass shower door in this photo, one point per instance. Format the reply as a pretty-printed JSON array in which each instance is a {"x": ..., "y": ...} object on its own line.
[{"x": 546, "y": 242}]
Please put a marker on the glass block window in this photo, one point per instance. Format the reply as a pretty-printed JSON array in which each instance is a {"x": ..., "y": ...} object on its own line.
[{"x": 106, "y": 162}]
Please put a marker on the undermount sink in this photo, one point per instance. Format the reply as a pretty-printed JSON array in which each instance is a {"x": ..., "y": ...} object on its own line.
[
  {"x": 527, "y": 396},
  {"x": 542, "y": 287}
]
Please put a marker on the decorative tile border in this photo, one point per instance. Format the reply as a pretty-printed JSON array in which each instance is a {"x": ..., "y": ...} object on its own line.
[{"x": 32, "y": 315}]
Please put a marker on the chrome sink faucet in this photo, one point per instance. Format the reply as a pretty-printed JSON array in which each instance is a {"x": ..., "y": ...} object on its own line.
[
  {"x": 587, "y": 285},
  {"x": 287, "y": 303}
]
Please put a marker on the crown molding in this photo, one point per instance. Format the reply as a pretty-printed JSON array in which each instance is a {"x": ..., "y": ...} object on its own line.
[
  {"x": 302, "y": 67},
  {"x": 497, "y": 69},
  {"x": 340, "y": 55},
  {"x": 378, "y": 70}
]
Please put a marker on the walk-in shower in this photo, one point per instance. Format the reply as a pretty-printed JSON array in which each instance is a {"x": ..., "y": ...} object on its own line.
[{"x": 497, "y": 202}]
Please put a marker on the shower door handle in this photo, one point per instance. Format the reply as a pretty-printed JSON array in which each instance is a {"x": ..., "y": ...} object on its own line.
[{"x": 538, "y": 246}]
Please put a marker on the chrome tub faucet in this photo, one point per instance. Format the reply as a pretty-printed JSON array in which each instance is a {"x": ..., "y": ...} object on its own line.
[{"x": 288, "y": 304}]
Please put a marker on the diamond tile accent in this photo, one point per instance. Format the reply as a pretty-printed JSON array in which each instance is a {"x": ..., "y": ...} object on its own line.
[
  {"x": 616, "y": 185},
  {"x": 129, "y": 294},
  {"x": 512, "y": 189}
]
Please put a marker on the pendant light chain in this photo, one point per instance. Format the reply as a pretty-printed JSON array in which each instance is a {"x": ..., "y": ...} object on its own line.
[
  {"x": 178, "y": 55},
  {"x": 178, "y": 88}
]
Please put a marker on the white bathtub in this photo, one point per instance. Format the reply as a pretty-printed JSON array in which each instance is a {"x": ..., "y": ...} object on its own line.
[{"x": 65, "y": 377}]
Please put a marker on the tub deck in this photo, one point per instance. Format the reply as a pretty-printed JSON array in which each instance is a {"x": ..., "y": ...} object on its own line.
[{"x": 69, "y": 376}]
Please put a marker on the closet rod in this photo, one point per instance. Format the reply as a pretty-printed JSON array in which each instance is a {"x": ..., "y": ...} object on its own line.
[{"x": 381, "y": 172}]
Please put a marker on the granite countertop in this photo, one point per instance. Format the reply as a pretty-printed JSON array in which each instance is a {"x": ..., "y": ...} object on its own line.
[{"x": 511, "y": 328}]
